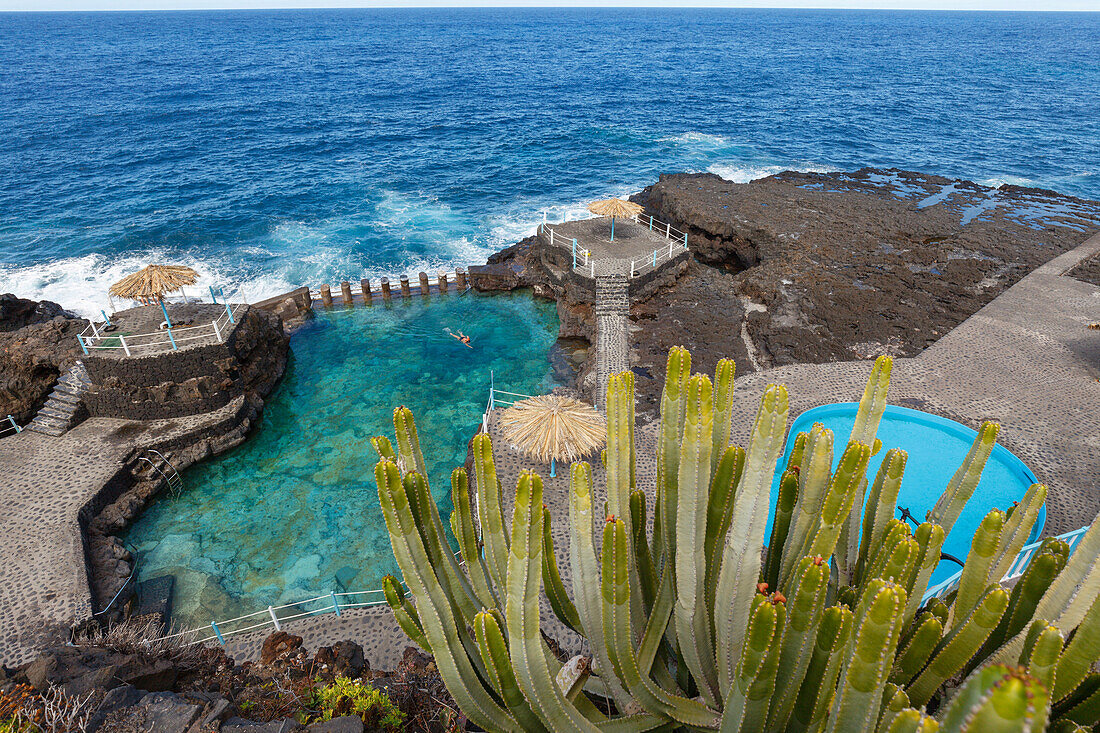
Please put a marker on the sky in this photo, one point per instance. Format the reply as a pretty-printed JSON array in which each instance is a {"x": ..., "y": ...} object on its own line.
[{"x": 23, "y": 5}]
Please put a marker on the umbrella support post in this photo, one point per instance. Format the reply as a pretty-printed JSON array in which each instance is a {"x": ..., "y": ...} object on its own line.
[
  {"x": 612, "y": 229},
  {"x": 553, "y": 466},
  {"x": 173, "y": 340}
]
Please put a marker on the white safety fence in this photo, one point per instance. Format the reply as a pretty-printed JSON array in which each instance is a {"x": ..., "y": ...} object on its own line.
[
  {"x": 104, "y": 335},
  {"x": 1019, "y": 565},
  {"x": 585, "y": 265},
  {"x": 498, "y": 397},
  {"x": 8, "y": 426}
]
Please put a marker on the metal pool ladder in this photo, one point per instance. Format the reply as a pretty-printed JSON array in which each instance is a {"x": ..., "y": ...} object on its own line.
[{"x": 164, "y": 467}]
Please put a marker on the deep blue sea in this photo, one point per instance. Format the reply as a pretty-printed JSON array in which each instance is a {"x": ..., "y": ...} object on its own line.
[{"x": 296, "y": 147}]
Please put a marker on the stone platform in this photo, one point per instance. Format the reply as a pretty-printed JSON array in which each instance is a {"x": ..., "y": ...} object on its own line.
[{"x": 51, "y": 487}]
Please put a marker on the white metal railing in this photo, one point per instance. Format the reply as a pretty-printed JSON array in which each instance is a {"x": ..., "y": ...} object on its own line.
[
  {"x": 657, "y": 258},
  {"x": 504, "y": 398},
  {"x": 582, "y": 258},
  {"x": 1019, "y": 565},
  {"x": 582, "y": 262},
  {"x": 101, "y": 335},
  {"x": 8, "y": 426},
  {"x": 331, "y": 602}
]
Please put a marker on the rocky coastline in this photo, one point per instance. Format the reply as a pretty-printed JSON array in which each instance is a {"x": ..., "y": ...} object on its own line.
[
  {"x": 815, "y": 267},
  {"x": 794, "y": 268}
]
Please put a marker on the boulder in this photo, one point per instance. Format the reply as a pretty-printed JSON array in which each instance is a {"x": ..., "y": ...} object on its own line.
[
  {"x": 278, "y": 647},
  {"x": 37, "y": 343},
  {"x": 80, "y": 670},
  {"x": 494, "y": 277},
  {"x": 344, "y": 658}
]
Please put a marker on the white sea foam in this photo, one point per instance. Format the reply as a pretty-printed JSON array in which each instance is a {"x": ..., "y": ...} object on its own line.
[
  {"x": 997, "y": 181},
  {"x": 80, "y": 283},
  {"x": 697, "y": 138},
  {"x": 746, "y": 172}
]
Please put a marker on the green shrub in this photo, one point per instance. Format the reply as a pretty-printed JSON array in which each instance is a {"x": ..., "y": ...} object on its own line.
[{"x": 350, "y": 697}]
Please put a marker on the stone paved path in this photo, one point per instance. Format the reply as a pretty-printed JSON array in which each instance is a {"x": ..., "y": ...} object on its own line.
[
  {"x": 1027, "y": 360},
  {"x": 612, "y": 309},
  {"x": 49, "y": 487}
]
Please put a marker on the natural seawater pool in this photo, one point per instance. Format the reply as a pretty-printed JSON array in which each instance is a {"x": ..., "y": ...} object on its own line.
[
  {"x": 936, "y": 448},
  {"x": 293, "y": 512}
]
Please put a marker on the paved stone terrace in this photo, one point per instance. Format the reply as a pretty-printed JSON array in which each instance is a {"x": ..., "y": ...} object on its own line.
[
  {"x": 633, "y": 241},
  {"x": 1026, "y": 360},
  {"x": 46, "y": 484}
]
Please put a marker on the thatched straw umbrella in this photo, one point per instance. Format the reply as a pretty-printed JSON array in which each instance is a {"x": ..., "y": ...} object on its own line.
[
  {"x": 614, "y": 208},
  {"x": 554, "y": 428},
  {"x": 151, "y": 283}
]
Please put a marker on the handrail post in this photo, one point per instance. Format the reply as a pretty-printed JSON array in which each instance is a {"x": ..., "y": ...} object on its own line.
[
  {"x": 213, "y": 296},
  {"x": 217, "y": 633},
  {"x": 651, "y": 223},
  {"x": 668, "y": 230},
  {"x": 574, "y": 253},
  {"x": 632, "y": 268},
  {"x": 82, "y": 346},
  {"x": 551, "y": 237},
  {"x": 230, "y": 312},
  {"x": 172, "y": 339},
  {"x": 655, "y": 258},
  {"x": 670, "y": 250},
  {"x": 593, "y": 268},
  {"x": 217, "y": 331},
  {"x": 274, "y": 618},
  {"x": 94, "y": 329},
  {"x": 122, "y": 340},
  {"x": 335, "y": 603}
]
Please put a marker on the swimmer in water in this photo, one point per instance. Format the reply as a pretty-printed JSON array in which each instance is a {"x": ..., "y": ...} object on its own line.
[{"x": 463, "y": 338}]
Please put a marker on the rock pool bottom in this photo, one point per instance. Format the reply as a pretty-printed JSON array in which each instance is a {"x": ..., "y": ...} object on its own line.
[{"x": 293, "y": 512}]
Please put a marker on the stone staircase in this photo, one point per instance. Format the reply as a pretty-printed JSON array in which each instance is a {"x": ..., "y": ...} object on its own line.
[
  {"x": 64, "y": 408},
  {"x": 612, "y": 309}
]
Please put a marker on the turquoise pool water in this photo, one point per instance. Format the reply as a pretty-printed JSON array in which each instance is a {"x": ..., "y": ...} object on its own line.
[
  {"x": 936, "y": 448},
  {"x": 293, "y": 512}
]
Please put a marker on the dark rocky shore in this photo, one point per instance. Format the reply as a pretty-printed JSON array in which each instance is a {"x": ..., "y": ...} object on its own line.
[{"x": 819, "y": 267}]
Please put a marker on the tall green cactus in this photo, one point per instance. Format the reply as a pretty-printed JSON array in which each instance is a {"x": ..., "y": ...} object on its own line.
[{"x": 691, "y": 626}]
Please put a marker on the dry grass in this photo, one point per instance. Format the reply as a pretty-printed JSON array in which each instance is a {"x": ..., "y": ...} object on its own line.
[
  {"x": 554, "y": 427},
  {"x": 142, "y": 637},
  {"x": 24, "y": 710}
]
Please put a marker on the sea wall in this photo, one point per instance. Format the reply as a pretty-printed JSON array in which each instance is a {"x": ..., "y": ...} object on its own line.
[{"x": 193, "y": 380}]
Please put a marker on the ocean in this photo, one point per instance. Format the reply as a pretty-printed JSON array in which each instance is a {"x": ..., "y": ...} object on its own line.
[{"x": 275, "y": 149}]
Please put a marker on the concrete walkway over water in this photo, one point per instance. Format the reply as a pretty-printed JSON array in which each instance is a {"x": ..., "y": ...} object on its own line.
[{"x": 1026, "y": 360}]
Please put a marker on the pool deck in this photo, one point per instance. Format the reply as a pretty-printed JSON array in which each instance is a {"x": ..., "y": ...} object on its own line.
[
  {"x": 49, "y": 488},
  {"x": 1026, "y": 360}
]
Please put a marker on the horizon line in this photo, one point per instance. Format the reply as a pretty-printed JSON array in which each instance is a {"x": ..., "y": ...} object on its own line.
[
  {"x": 610, "y": 4},
  {"x": 169, "y": 6}
]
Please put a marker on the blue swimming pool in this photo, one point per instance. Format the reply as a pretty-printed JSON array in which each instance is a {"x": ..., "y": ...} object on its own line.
[
  {"x": 293, "y": 512},
  {"x": 936, "y": 447}
]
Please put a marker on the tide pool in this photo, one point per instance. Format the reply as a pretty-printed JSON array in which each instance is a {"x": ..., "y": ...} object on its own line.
[{"x": 293, "y": 512}]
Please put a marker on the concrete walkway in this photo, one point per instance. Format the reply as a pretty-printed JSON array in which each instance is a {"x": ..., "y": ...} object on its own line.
[
  {"x": 612, "y": 309},
  {"x": 1026, "y": 360},
  {"x": 51, "y": 487}
]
